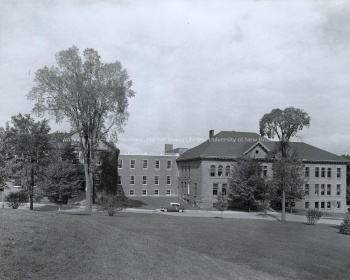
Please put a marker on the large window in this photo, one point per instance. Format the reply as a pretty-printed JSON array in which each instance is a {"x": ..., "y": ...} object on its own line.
[
  {"x": 144, "y": 180},
  {"x": 306, "y": 204},
  {"x": 157, "y": 164},
  {"x": 212, "y": 171},
  {"x": 168, "y": 164},
  {"x": 119, "y": 180},
  {"x": 307, "y": 171},
  {"x": 316, "y": 205},
  {"x": 144, "y": 192},
  {"x": 329, "y": 172},
  {"x": 323, "y": 172},
  {"x": 317, "y": 171},
  {"x": 220, "y": 170},
  {"x": 307, "y": 189},
  {"x": 132, "y": 164},
  {"x": 156, "y": 192},
  {"x": 156, "y": 180},
  {"x": 168, "y": 192},
  {"x": 131, "y": 192},
  {"x": 224, "y": 189},
  {"x": 322, "y": 189},
  {"x": 338, "y": 172},
  {"x": 322, "y": 204},
  {"x": 168, "y": 180},
  {"x": 329, "y": 188},
  {"x": 132, "y": 180},
  {"x": 227, "y": 171},
  {"x": 120, "y": 163},
  {"x": 317, "y": 190},
  {"x": 338, "y": 189},
  {"x": 215, "y": 189},
  {"x": 328, "y": 205},
  {"x": 145, "y": 164}
]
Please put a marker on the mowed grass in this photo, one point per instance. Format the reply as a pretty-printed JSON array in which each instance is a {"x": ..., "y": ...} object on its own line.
[{"x": 47, "y": 245}]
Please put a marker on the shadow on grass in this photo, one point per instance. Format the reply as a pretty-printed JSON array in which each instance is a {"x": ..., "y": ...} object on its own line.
[
  {"x": 134, "y": 203},
  {"x": 53, "y": 208}
]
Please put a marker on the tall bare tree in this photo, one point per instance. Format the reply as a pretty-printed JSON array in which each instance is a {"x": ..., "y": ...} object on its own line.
[
  {"x": 92, "y": 95},
  {"x": 284, "y": 124}
]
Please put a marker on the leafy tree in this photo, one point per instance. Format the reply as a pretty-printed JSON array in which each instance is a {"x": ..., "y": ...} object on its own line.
[
  {"x": 284, "y": 124},
  {"x": 290, "y": 169},
  {"x": 92, "y": 95},
  {"x": 16, "y": 199},
  {"x": 347, "y": 179},
  {"x": 27, "y": 144},
  {"x": 246, "y": 183},
  {"x": 60, "y": 178}
]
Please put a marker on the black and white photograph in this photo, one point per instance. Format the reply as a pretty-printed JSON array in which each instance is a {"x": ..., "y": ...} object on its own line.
[{"x": 174, "y": 139}]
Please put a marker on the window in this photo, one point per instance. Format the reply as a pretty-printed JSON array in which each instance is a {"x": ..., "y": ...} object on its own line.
[
  {"x": 144, "y": 192},
  {"x": 182, "y": 171},
  {"x": 328, "y": 205},
  {"x": 323, "y": 172},
  {"x": 132, "y": 164},
  {"x": 220, "y": 170},
  {"x": 264, "y": 171},
  {"x": 306, "y": 204},
  {"x": 307, "y": 172},
  {"x": 185, "y": 172},
  {"x": 329, "y": 172},
  {"x": 168, "y": 192},
  {"x": 322, "y": 204},
  {"x": 338, "y": 189},
  {"x": 322, "y": 189},
  {"x": 189, "y": 171},
  {"x": 224, "y": 189},
  {"x": 76, "y": 158},
  {"x": 168, "y": 180},
  {"x": 188, "y": 188},
  {"x": 119, "y": 180},
  {"x": 338, "y": 204},
  {"x": 157, "y": 164},
  {"x": 156, "y": 180},
  {"x": 316, "y": 204},
  {"x": 215, "y": 189},
  {"x": 338, "y": 173},
  {"x": 212, "y": 171},
  {"x": 145, "y": 164},
  {"x": 307, "y": 189},
  {"x": 317, "y": 171},
  {"x": 168, "y": 164},
  {"x": 182, "y": 188},
  {"x": 329, "y": 189},
  {"x": 131, "y": 192},
  {"x": 227, "y": 171},
  {"x": 132, "y": 180},
  {"x": 156, "y": 192},
  {"x": 120, "y": 163},
  {"x": 97, "y": 179},
  {"x": 144, "y": 180},
  {"x": 317, "y": 189}
]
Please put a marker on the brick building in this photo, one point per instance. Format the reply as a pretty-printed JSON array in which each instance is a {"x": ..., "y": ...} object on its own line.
[
  {"x": 150, "y": 175},
  {"x": 204, "y": 170}
]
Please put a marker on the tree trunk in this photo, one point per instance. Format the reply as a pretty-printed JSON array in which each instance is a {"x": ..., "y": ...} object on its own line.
[
  {"x": 283, "y": 217},
  {"x": 88, "y": 185},
  {"x": 31, "y": 193}
]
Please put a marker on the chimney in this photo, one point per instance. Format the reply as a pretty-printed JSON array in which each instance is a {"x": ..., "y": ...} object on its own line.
[
  {"x": 211, "y": 133},
  {"x": 168, "y": 147}
]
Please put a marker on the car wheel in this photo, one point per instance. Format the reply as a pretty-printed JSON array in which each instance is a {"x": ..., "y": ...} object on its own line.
[{"x": 165, "y": 210}]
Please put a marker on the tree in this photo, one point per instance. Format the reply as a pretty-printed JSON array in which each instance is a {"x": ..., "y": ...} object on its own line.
[
  {"x": 16, "y": 199},
  {"x": 246, "y": 181},
  {"x": 221, "y": 203},
  {"x": 60, "y": 178},
  {"x": 27, "y": 144},
  {"x": 92, "y": 95},
  {"x": 347, "y": 179},
  {"x": 291, "y": 170},
  {"x": 283, "y": 124}
]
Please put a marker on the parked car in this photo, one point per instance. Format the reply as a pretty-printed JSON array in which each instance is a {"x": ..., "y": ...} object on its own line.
[{"x": 173, "y": 207}]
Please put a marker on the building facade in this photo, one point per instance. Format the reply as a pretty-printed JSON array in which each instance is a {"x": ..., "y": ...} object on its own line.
[
  {"x": 149, "y": 175},
  {"x": 205, "y": 169}
]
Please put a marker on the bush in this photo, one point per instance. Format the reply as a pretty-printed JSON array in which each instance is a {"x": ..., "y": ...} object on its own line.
[
  {"x": 16, "y": 199},
  {"x": 313, "y": 215},
  {"x": 345, "y": 226},
  {"x": 112, "y": 203}
]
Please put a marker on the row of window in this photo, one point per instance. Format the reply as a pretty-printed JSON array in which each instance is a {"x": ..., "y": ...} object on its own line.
[
  {"x": 323, "y": 204},
  {"x": 144, "y": 164},
  {"x": 145, "y": 180},
  {"x": 220, "y": 172},
  {"x": 185, "y": 188},
  {"x": 144, "y": 192},
  {"x": 216, "y": 189},
  {"x": 185, "y": 172},
  {"x": 322, "y": 172},
  {"x": 323, "y": 189}
]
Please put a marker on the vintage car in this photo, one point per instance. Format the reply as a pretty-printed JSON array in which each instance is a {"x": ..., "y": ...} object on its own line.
[{"x": 173, "y": 207}]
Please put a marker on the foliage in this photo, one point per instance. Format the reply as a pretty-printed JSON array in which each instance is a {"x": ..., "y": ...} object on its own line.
[
  {"x": 92, "y": 95},
  {"x": 247, "y": 183},
  {"x": 221, "y": 203},
  {"x": 112, "y": 203},
  {"x": 27, "y": 144},
  {"x": 345, "y": 226},
  {"x": 284, "y": 124},
  {"x": 288, "y": 174},
  {"x": 347, "y": 179},
  {"x": 108, "y": 170},
  {"x": 313, "y": 215},
  {"x": 16, "y": 199}
]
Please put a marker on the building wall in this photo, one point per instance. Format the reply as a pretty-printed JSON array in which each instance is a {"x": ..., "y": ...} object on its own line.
[{"x": 150, "y": 188}]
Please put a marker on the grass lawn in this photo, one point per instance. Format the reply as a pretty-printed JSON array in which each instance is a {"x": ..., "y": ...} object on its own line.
[{"x": 47, "y": 245}]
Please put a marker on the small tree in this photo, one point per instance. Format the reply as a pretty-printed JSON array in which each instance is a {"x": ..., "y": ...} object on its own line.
[
  {"x": 112, "y": 203},
  {"x": 221, "y": 203},
  {"x": 16, "y": 199},
  {"x": 345, "y": 226},
  {"x": 313, "y": 215}
]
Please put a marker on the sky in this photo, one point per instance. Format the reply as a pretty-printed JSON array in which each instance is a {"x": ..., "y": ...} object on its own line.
[{"x": 195, "y": 65}]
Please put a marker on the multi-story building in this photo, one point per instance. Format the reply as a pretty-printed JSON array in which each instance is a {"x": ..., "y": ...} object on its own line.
[
  {"x": 150, "y": 175},
  {"x": 204, "y": 170}
]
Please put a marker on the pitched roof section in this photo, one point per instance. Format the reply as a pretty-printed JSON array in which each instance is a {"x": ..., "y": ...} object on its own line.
[{"x": 231, "y": 144}]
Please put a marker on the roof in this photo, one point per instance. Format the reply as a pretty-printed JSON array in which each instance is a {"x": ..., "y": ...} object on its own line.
[{"x": 232, "y": 144}]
